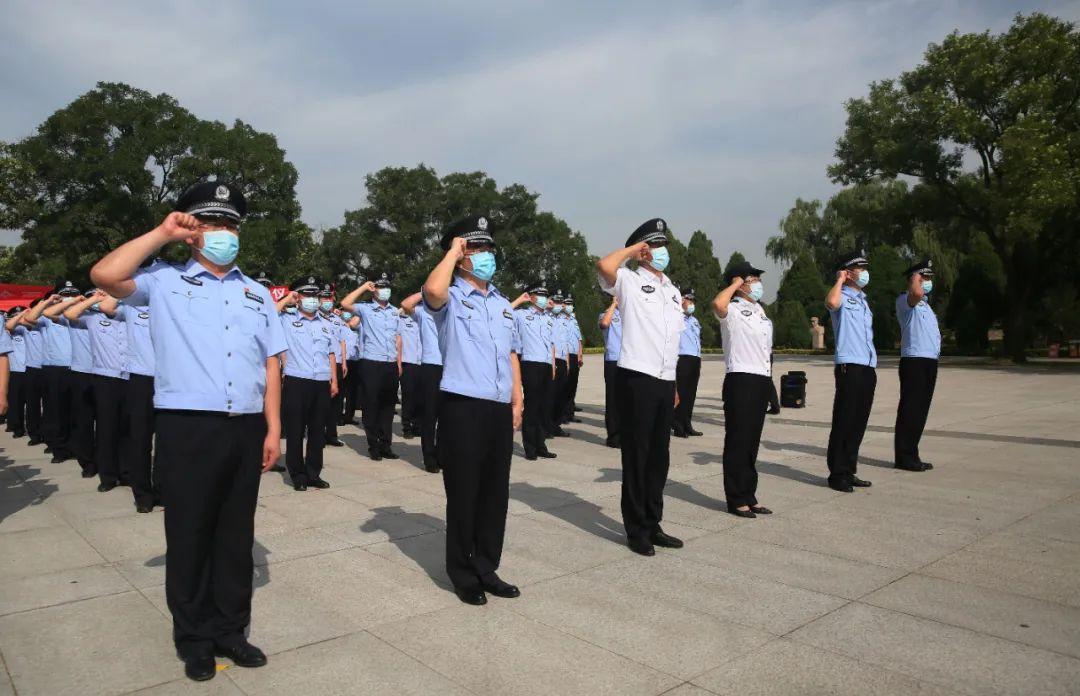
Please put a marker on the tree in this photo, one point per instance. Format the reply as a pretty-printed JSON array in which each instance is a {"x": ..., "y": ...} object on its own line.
[
  {"x": 990, "y": 128},
  {"x": 701, "y": 270},
  {"x": 886, "y": 283},
  {"x": 791, "y": 326},
  {"x": 976, "y": 298},
  {"x": 734, "y": 260},
  {"x": 802, "y": 284}
]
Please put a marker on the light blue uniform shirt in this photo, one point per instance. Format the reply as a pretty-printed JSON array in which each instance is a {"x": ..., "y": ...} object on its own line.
[
  {"x": 352, "y": 344},
  {"x": 574, "y": 336},
  {"x": 612, "y": 336},
  {"x": 380, "y": 330},
  {"x": 560, "y": 336},
  {"x": 35, "y": 346},
  {"x": 853, "y": 326},
  {"x": 535, "y": 329},
  {"x": 920, "y": 335},
  {"x": 7, "y": 346},
  {"x": 108, "y": 342},
  {"x": 690, "y": 338},
  {"x": 140, "y": 349},
  {"x": 212, "y": 337},
  {"x": 57, "y": 341},
  {"x": 310, "y": 341},
  {"x": 17, "y": 356},
  {"x": 82, "y": 353},
  {"x": 411, "y": 350},
  {"x": 476, "y": 336},
  {"x": 337, "y": 332},
  {"x": 429, "y": 336}
]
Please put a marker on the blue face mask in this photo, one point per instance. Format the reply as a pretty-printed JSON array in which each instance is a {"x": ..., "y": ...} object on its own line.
[
  {"x": 864, "y": 278},
  {"x": 220, "y": 246},
  {"x": 291, "y": 310},
  {"x": 309, "y": 304},
  {"x": 96, "y": 306},
  {"x": 689, "y": 309},
  {"x": 326, "y": 305},
  {"x": 756, "y": 291},
  {"x": 346, "y": 315},
  {"x": 927, "y": 286},
  {"x": 660, "y": 258},
  {"x": 557, "y": 309},
  {"x": 483, "y": 265},
  {"x": 383, "y": 294},
  {"x": 540, "y": 301}
]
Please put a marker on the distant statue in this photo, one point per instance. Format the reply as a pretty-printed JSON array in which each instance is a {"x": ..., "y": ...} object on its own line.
[{"x": 817, "y": 334}]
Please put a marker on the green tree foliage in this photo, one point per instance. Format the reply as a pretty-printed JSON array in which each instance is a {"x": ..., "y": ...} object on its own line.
[
  {"x": 977, "y": 297},
  {"x": 700, "y": 269},
  {"x": 886, "y": 283},
  {"x": 802, "y": 284},
  {"x": 734, "y": 260},
  {"x": 791, "y": 326}
]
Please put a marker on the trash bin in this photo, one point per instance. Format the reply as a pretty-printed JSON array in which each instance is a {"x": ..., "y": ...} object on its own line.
[{"x": 793, "y": 390}]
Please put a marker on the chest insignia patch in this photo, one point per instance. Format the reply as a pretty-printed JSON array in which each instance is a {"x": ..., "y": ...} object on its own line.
[
  {"x": 468, "y": 304},
  {"x": 144, "y": 315},
  {"x": 648, "y": 289},
  {"x": 189, "y": 279},
  {"x": 507, "y": 314},
  {"x": 529, "y": 318},
  {"x": 298, "y": 324},
  {"x": 105, "y": 322},
  {"x": 252, "y": 296},
  {"x": 746, "y": 312}
]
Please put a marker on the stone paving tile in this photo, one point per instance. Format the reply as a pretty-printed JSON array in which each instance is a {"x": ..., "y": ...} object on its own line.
[
  {"x": 38, "y": 551},
  {"x": 60, "y": 587},
  {"x": 219, "y": 686},
  {"x": 17, "y": 514}
]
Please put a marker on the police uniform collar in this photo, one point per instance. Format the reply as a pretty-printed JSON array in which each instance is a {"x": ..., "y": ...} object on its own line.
[
  {"x": 193, "y": 262},
  {"x": 643, "y": 272},
  {"x": 848, "y": 290},
  {"x": 470, "y": 289}
]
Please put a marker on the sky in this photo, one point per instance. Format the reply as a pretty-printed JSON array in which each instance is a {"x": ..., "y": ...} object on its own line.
[{"x": 713, "y": 115}]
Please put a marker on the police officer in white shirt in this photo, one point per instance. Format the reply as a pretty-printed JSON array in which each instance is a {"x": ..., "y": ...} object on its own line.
[
  {"x": 747, "y": 336},
  {"x": 652, "y": 316}
]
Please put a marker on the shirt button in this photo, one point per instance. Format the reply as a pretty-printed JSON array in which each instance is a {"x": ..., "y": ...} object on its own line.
[{"x": 228, "y": 355}]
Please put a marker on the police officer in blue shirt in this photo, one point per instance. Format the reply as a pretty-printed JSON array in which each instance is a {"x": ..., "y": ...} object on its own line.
[
  {"x": 34, "y": 381},
  {"x": 138, "y": 438},
  {"x": 410, "y": 353},
  {"x": 688, "y": 369},
  {"x": 217, "y": 389},
  {"x": 378, "y": 363},
  {"x": 560, "y": 338},
  {"x": 611, "y": 327},
  {"x": 854, "y": 373},
  {"x": 339, "y": 330},
  {"x": 428, "y": 383},
  {"x": 7, "y": 347},
  {"x": 575, "y": 358},
  {"x": 481, "y": 406},
  {"x": 16, "y": 419},
  {"x": 351, "y": 383},
  {"x": 920, "y": 348},
  {"x": 309, "y": 384},
  {"x": 81, "y": 379},
  {"x": 534, "y": 327}
]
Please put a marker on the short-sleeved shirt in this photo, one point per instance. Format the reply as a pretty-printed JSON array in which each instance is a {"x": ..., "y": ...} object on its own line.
[
  {"x": 612, "y": 335},
  {"x": 429, "y": 336},
  {"x": 35, "y": 347},
  {"x": 690, "y": 339},
  {"x": 108, "y": 342},
  {"x": 412, "y": 351},
  {"x": 380, "y": 330},
  {"x": 560, "y": 336},
  {"x": 337, "y": 332},
  {"x": 352, "y": 343},
  {"x": 574, "y": 336},
  {"x": 920, "y": 335},
  {"x": 535, "y": 329},
  {"x": 7, "y": 346},
  {"x": 17, "y": 356},
  {"x": 310, "y": 341},
  {"x": 476, "y": 337},
  {"x": 57, "y": 341},
  {"x": 853, "y": 326},
  {"x": 140, "y": 348},
  {"x": 653, "y": 320},
  {"x": 747, "y": 335},
  {"x": 82, "y": 353},
  {"x": 212, "y": 337}
]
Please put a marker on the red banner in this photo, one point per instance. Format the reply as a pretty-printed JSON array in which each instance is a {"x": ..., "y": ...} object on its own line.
[
  {"x": 278, "y": 291},
  {"x": 15, "y": 295}
]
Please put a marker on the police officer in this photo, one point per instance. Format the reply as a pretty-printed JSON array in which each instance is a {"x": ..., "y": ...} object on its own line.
[
  {"x": 337, "y": 402},
  {"x": 652, "y": 322},
  {"x": 35, "y": 382},
  {"x": 574, "y": 360},
  {"x": 7, "y": 347},
  {"x": 481, "y": 406},
  {"x": 378, "y": 363},
  {"x": 138, "y": 438},
  {"x": 854, "y": 373},
  {"x": 410, "y": 353},
  {"x": 217, "y": 392},
  {"x": 82, "y": 418},
  {"x": 560, "y": 337},
  {"x": 97, "y": 314},
  {"x": 747, "y": 335},
  {"x": 310, "y": 382},
  {"x": 428, "y": 385},
  {"x": 537, "y": 358},
  {"x": 351, "y": 384},
  {"x": 611, "y": 327},
  {"x": 920, "y": 348},
  {"x": 16, "y": 391},
  {"x": 688, "y": 369}
]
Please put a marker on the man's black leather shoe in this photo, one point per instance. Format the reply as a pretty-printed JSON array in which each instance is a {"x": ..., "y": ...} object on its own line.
[
  {"x": 334, "y": 442},
  {"x": 694, "y": 433},
  {"x": 375, "y": 456},
  {"x": 679, "y": 433},
  {"x": 144, "y": 508},
  {"x": 531, "y": 457},
  {"x": 916, "y": 466},
  {"x": 431, "y": 465},
  {"x": 926, "y": 466},
  {"x": 243, "y": 654},
  {"x": 105, "y": 487},
  {"x": 34, "y": 441},
  {"x": 475, "y": 597},
  {"x": 667, "y": 541},
  {"x": 842, "y": 487},
  {"x": 544, "y": 454},
  {"x": 299, "y": 486},
  {"x": 498, "y": 587},
  {"x": 48, "y": 450},
  {"x": 318, "y": 483},
  {"x": 641, "y": 547},
  {"x": 200, "y": 667},
  {"x": 389, "y": 454},
  {"x": 60, "y": 458},
  {"x": 859, "y": 483},
  {"x": 88, "y": 474},
  {"x": 613, "y": 442}
]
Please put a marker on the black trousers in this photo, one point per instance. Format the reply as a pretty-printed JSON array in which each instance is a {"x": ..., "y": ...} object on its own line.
[
  {"x": 746, "y": 398},
  {"x": 410, "y": 397},
  {"x": 535, "y": 381},
  {"x": 304, "y": 403},
  {"x": 210, "y": 480},
  {"x": 430, "y": 376},
  {"x": 352, "y": 391},
  {"x": 648, "y": 405},
  {"x": 108, "y": 411},
  {"x": 476, "y": 441},
  {"x": 611, "y": 398},
  {"x": 557, "y": 397},
  {"x": 137, "y": 440},
  {"x": 854, "y": 397},
  {"x": 83, "y": 419},
  {"x": 332, "y": 413},
  {"x": 380, "y": 392},
  {"x": 687, "y": 374},
  {"x": 918, "y": 377},
  {"x": 16, "y": 417},
  {"x": 572, "y": 372},
  {"x": 56, "y": 425},
  {"x": 34, "y": 389}
]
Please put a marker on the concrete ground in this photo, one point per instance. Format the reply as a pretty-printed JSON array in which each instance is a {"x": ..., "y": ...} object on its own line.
[{"x": 965, "y": 579}]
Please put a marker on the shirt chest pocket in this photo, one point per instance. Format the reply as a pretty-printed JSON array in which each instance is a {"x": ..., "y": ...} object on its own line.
[
  {"x": 252, "y": 321},
  {"x": 469, "y": 325},
  {"x": 192, "y": 306}
]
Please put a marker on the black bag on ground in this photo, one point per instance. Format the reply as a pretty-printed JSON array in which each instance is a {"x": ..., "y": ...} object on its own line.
[{"x": 793, "y": 390}]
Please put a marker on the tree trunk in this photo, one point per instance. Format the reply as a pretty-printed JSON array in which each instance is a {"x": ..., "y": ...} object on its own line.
[{"x": 1019, "y": 269}]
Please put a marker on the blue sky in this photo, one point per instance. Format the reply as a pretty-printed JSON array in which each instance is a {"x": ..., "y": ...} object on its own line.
[{"x": 713, "y": 115}]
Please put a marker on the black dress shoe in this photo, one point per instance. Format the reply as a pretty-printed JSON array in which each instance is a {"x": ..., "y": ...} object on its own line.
[
  {"x": 87, "y": 473},
  {"x": 431, "y": 465},
  {"x": 613, "y": 442},
  {"x": 530, "y": 457},
  {"x": 144, "y": 508},
  {"x": 859, "y": 483},
  {"x": 243, "y": 654},
  {"x": 299, "y": 486},
  {"x": 679, "y": 433},
  {"x": 48, "y": 450},
  {"x": 389, "y": 454},
  {"x": 34, "y": 441},
  {"x": 641, "y": 547},
  {"x": 749, "y": 514},
  {"x": 18, "y": 433},
  {"x": 912, "y": 466},
  {"x": 561, "y": 433},
  {"x": 926, "y": 466},
  {"x": 475, "y": 597},
  {"x": 759, "y": 510},
  {"x": 498, "y": 587},
  {"x": 667, "y": 541},
  {"x": 200, "y": 667},
  {"x": 334, "y": 442},
  {"x": 842, "y": 487},
  {"x": 575, "y": 419},
  {"x": 578, "y": 409},
  {"x": 694, "y": 433},
  {"x": 318, "y": 483},
  {"x": 544, "y": 454},
  {"x": 375, "y": 456},
  {"x": 105, "y": 487}
]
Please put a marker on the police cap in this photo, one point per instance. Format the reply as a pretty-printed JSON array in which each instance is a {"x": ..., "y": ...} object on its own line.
[
  {"x": 66, "y": 288},
  {"x": 741, "y": 270},
  {"x": 475, "y": 229},
  {"x": 213, "y": 199},
  {"x": 308, "y": 285},
  {"x": 652, "y": 231},
  {"x": 852, "y": 258},
  {"x": 383, "y": 281},
  {"x": 925, "y": 267}
]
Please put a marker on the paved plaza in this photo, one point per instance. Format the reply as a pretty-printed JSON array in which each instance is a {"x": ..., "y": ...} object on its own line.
[{"x": 961, "y": 580}]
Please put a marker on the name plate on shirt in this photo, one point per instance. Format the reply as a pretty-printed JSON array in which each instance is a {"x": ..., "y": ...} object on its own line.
[
  {"x": 467, "y": 304},
  {"x": 507, "y": 314},
  {"x": 648, "y": 289},
  {"x": 252, "y": 296},
  {"x": 189, "y": 279}
]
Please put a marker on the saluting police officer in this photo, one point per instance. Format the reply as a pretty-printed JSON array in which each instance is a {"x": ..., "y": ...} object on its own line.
[
  {"x": 35, "y": 383},
  {"x": 537, "y": 359},
  {"x": 653, "y": 319},
  {"x": 481, "y": 406},
  {"x": 688, "y": 369},
  {"x": 854, "y": 373},
  {"x": 83, "y": 416},
  {"x": 217, "y": 390},
  {"x": 431, "y": 369},
  {"x": 16, "y": 417},
  {"x": 611, "y": 327},
  {"x": 351, "y": 383},
  {"x": 339, "y": 330},
  {"x": 560, "y": 338},
  {"x": 378, "y": 363},
  {"x": 920, "y": 348},
  {"x": 309, "y": 383},
  {"x": 410, "y": 352},
  {"x": 7, "y": 347},
  {"x": 747, "y": 336},
  {"x": 574, "y": 360},
  {"x": 138, "y": 439}
]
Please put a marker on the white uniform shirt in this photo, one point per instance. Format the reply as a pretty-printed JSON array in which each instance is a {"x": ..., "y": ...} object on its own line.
[
  {"x": 652, "y": 319},
  {"x": 747, "y": 336}
]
